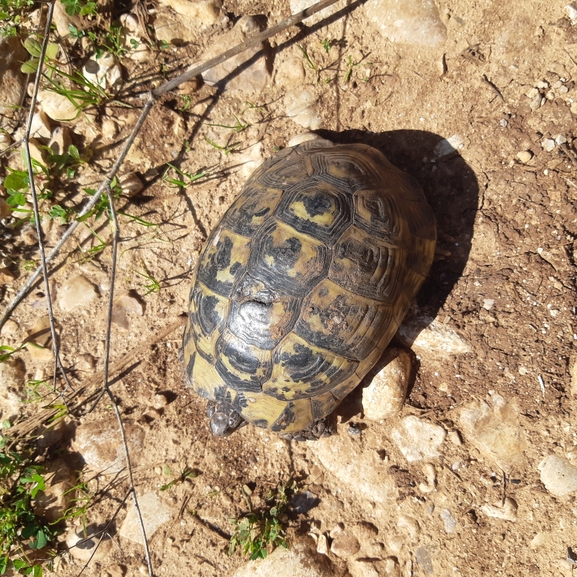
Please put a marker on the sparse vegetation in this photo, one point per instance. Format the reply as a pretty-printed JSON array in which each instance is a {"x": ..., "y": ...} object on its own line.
[
  {"x": 21, "y": 530},
  {"x": 262, "y": 530}
]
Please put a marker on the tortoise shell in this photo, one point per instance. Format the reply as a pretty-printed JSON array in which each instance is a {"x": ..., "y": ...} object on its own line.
[{"x": 304, "y": 282}]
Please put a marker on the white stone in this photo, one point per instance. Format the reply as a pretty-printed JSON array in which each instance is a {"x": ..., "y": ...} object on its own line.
[
  {"x": 322, "y": 545},
  {"x": 560, "y": 139},
  {"x": 297, "y": 561},
  {"x": 57, "y": 106},
  {"x": 507, "y": 511},
  {"x": 448, "y": 520},
  {"x": 123, "y": 307},
  {"x": 100, "y": 445},
  {"x": 250, "y": 158},
  {"x": 571, "y": 11},
  {"x": 131, "y": 184},
  {"x": 103, "y": 71},
  {"x": 76, "y": 292},
  {"x": 89, "y": 545},
  {"x": 448, "y": 146},
  {"x": 494, "y": 430},
  {"x": 301, "y": 107},
  {"x": 12, "y": 390},
  {"x": 385, "y": 395},
  {"x": 363, "y": 473},
  {"x": 409, "y": 22},
  {"x": 525, "y": 156},
  {"x": 431, "y": 337},
  {"x": 40, "y": 125},
  {"x": 60, "y": 140},
  {"x": 558, "y": 475},
  {"x": 548, "y": 144},
  {"x": 155, "y": 513},
  {"x": 249, "y": 80},
  {"x": 418, "y": 439}
]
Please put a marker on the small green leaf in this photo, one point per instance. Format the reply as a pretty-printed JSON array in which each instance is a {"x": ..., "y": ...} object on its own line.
[
  {"x": 33, "y": 47},
  {"x": 52, "y": 50},
  {"x": 30, "y": 67}
]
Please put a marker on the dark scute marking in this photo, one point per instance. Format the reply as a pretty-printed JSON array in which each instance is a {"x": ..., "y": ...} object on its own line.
[
  {"x": 222, "y": 256},
  {"x": 218, "y": 261},
  {"x": 287, "y": 254},
  {"x": 208, "y": 317},
  {"x": 317, "y": 204},
  {"x": 262, "y": 212},
  {"x": 299, "y": 365},
  {"x": 235, "y": 267},
  {"x": 222, "y": 394},
  {"x": 240, "y": 402},
  {"x": 241, "y": 359},
  {"x": 286, "y": 418},
  {"x": 321, "y": 410},
  {"x": 190, "y": 366},
  {"x": 261, "y": 423}
]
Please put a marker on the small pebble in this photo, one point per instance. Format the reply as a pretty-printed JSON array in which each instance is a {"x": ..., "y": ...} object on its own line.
[
  {"x": 560, "y": 139},
  {"x": 123, "y": 307},
  {"x": 57, "y": 106},
  {"x": 571, "y": 11},
  {"x": 322, "y": 545},
  {"x": 155, "y": 513},
  {"x": 418, "y": 439},
  {"x": 414, "y": 22},
  {"x": 558, "y": 475},
  {"x": 344, "y": 545},
  {"x": 87, "y": 545},
  {"x": 524, "y": 156},
  {"x": 385, "y": 395},
  {"x": 424, "y": 559},
  {"x": 76, "y": 292},
  {"x": 449, "y": 521},
  {"x": 494, "y": 429},
  {"x": 131, "y": 184},
  {"x": 548, "y": 145},
  {"x": 507, "y": 511}
]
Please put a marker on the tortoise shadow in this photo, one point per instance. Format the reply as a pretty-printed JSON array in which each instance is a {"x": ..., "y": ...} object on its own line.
[{"x": 451, "y": 187}]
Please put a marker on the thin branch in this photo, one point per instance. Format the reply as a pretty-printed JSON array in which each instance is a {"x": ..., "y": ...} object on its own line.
[
  {"x": 115, "y": 236},
  {"x": 152, "y": 97},
  {"x": 57, "y": 361}
]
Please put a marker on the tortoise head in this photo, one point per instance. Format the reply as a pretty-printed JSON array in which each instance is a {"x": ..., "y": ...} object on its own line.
[{"x": 224, "y": 419}]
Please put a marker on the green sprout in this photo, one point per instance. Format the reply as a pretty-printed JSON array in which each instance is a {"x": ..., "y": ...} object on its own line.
[{"x": 261, "y": 530}]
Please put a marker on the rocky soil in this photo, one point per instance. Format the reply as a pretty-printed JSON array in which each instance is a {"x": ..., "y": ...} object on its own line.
[{"x": 476, "y": 474}]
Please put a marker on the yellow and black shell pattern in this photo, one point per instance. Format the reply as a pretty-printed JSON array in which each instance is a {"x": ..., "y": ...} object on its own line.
[{"x": 304, "y": 282}]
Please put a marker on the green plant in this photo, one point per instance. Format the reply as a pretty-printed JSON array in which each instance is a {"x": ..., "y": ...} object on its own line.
[
  {"x": 308, "y": 59},
  {"x": 185, "y": 179},
  {"x": 262, "y": 529},
  {"x": 21, "y": 530},
  {"x": 227, "y": 148},
  {"x": 186, "y": 474},
  {"x": 152, "y": 286},
  {"x": 80, "y": 7},
  {"x": 12, "y": 13},
  {"x": 238, "y": 127},
  {"x": 6, "y": 352}
]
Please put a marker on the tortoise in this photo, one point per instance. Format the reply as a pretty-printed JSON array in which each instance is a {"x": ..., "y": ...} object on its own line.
[{"x": 302, "y": 285}]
